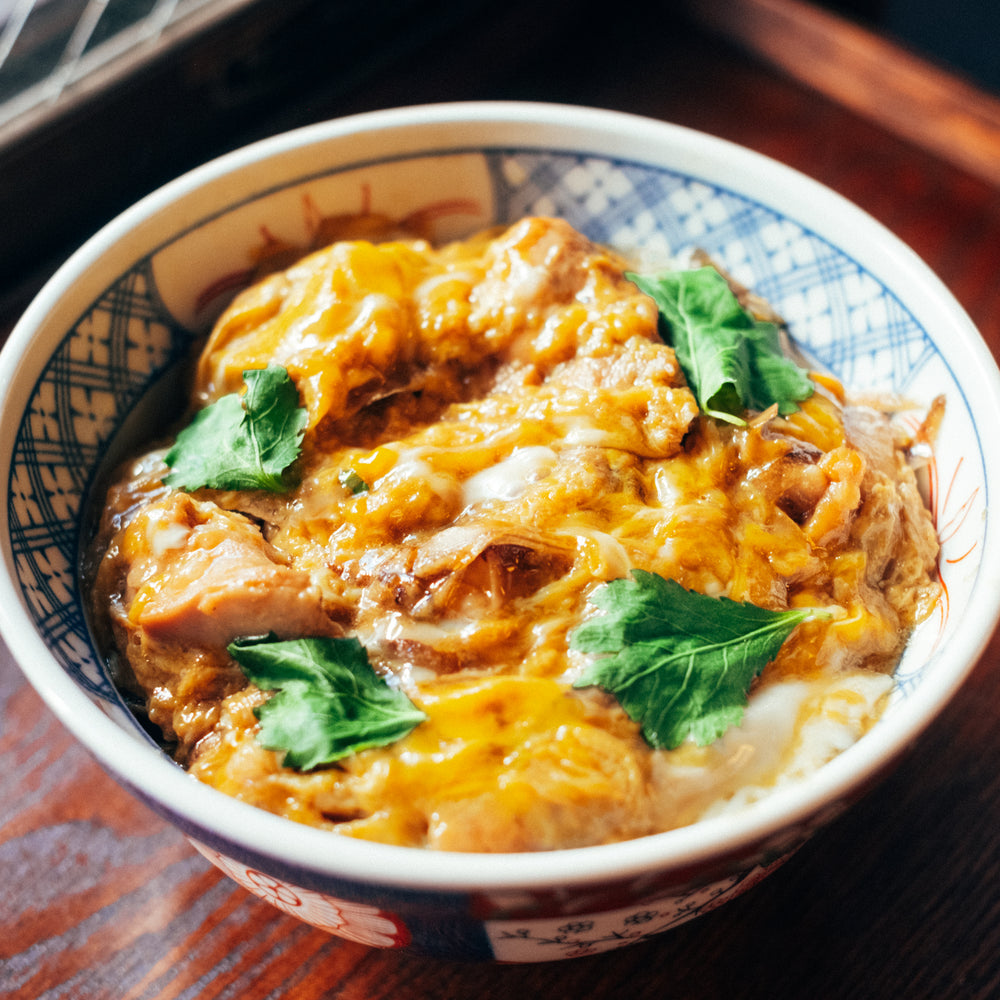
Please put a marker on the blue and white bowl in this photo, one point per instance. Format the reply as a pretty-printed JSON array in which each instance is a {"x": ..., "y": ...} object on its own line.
[{"x": 129, "y": 304}]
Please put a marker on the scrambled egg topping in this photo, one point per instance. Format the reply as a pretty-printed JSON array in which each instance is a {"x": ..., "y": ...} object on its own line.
[{"x": 523, "y": 435}]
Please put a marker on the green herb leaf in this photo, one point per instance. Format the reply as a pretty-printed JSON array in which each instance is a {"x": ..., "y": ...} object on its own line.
[
  {"x": 732, "y": 361},
  {"x": 329, "y": 701},
  {"x": 350, "y": 480},
  {"x": 242, "y": 442},
  {"x": 680, "y": 663}
]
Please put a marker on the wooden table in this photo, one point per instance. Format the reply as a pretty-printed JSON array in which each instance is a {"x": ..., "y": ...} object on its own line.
[{"x": 898, "y": 898}]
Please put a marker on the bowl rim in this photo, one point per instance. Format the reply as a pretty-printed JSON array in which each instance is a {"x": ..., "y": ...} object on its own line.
[{"x": 197, "y": 807}]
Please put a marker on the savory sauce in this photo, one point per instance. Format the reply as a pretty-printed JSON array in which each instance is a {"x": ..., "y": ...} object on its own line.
[{"x": 492, "y": 431}]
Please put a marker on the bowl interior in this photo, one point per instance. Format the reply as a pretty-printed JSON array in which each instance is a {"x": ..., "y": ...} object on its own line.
[{"x": 129, "y": 306}]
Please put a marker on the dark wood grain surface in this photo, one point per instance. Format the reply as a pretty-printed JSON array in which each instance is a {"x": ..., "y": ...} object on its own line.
[{"x": 898, "y": 898}]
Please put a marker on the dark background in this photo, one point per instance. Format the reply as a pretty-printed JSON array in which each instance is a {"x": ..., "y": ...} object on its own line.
[{"x": 961, "y": 35}]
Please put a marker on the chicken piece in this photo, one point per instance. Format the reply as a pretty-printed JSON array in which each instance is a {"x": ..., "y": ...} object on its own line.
[
  {"x": 637, "y": 388},
  {"x": 549, "y": 294},
  {"x": 185, "y": 578},
  {"x": 482, "y": 564},
  {"x": 201, "y": 576}
]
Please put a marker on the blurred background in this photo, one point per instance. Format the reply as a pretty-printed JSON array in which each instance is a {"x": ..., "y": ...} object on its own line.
[
  {"x": 101, "y": 101},
  {"x": 960, "y": 34}
]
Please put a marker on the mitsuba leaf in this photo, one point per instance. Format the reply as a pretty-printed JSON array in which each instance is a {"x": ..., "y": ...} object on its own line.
[
  {"x": 328, "y": 701},
  {"x": 680, "y": 663},
  {"x": 352, "y": 482},
  {"x": 732, "y": 361},
  {"x": 242, "y": 441}
]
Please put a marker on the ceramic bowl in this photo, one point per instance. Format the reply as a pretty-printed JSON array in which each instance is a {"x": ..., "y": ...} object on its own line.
[{"x": 123, "y": 309}]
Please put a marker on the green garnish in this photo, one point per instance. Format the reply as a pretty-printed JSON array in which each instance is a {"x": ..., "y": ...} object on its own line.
[
  {"x": 242, "y": 441},
  {"x": 351, "y": 481},
  {"x": 732, "y": 361},
  {"x": 329, "y": 701},
  {"x": 680, "y": 663}
]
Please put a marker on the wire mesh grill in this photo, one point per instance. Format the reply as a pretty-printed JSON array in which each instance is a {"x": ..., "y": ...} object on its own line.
[{"x": 54, "y": 50}]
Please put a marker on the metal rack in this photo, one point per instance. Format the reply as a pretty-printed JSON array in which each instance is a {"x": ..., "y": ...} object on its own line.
[{"x": 57, "y": 53}]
